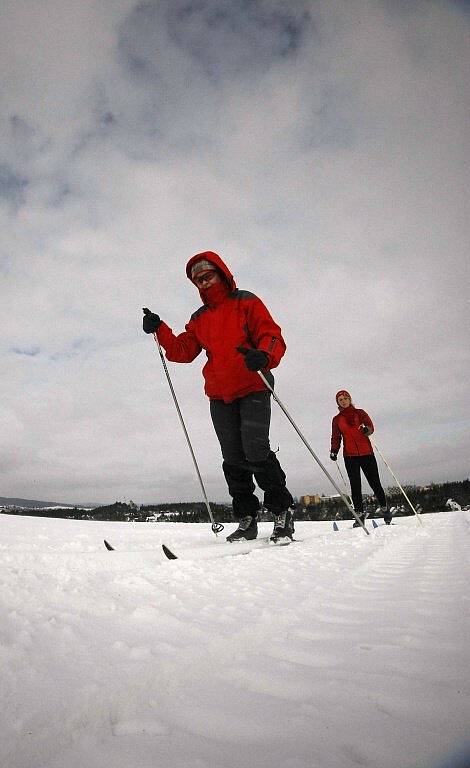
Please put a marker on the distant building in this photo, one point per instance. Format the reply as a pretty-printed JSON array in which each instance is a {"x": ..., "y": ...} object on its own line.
[
  {"x": 159, "y": 517},
  {"x": 310, "y": 501}
]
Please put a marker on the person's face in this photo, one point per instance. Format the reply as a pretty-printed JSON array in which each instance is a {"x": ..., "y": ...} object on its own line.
[
  {"x": 206, "y": 279},
  {"x": 344, "y": 401}
]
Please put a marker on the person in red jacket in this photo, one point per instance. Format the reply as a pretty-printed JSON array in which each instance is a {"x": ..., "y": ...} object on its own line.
[
  {"x": 353, "y": 426},
  {"x": 239, "y": 337}
]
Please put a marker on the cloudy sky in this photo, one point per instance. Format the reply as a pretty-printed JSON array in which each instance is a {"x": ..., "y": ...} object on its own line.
[{"x": 320, "y": 146}]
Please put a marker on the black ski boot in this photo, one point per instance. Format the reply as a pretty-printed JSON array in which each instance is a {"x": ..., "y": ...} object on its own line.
[
  {"x": 283, "y": 526},
  {"x": 363, "y": 516},
  {"x": 386, "y": 514},
  {"x": 247, "y": 529}
]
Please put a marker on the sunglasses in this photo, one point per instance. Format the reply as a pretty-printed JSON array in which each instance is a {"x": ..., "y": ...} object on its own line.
[{"x": 206, "y": 277}]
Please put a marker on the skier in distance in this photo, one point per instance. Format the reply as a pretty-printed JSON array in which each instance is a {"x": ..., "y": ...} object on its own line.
[
  {"x": 353, "y": 426},
  {"x": 239, "y": 337}
]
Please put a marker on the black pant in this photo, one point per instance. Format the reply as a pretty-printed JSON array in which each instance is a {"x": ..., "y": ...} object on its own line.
[
  {"x": 242, "y": 428},
  {"x": 368, "y": 464}
]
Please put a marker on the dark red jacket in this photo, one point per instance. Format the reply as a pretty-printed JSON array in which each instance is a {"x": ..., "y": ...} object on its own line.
[
  {"x": 228, "y": 318},
  {"x": 346, "y": 427}
]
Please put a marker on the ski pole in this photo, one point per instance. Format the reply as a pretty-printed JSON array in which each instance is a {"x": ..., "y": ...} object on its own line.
[
  {"x": 376, "y": 447},
  {"x": 216, "y": 527},
  {"x": 286, "y": 412},
  {"x": 344, "y": 482}
]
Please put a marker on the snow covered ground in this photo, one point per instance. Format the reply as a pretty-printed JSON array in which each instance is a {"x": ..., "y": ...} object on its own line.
[{"x": 340, "y": 651}]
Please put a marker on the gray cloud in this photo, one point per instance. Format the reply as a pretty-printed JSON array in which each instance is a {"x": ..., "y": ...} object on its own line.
[
  {"x": 29, "y": 352},
  {"x": 231, "y": 38},
  {"x": 12, "y": 186}
]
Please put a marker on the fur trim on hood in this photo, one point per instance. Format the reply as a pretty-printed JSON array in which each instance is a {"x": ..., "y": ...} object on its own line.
[{"x": 214, "y": 259}]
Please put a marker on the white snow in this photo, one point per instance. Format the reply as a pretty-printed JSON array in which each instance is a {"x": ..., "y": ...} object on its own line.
[{"x": 340, "y": 651}]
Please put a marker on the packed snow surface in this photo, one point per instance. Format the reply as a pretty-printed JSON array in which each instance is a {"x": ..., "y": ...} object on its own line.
[{"x": 338, "y": 651}]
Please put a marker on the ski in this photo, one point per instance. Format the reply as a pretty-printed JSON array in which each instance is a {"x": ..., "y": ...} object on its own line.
[
  {"x": 169, "y": 553},
  {"x": 166, "y": 550},
  {"x": 353, "y": 527},
  {"x": 356, "y": 527},
  {"x": 258, "y": 544}
]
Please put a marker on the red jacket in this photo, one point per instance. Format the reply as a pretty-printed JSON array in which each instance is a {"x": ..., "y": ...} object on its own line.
[
  {"x": 228, "y": 318},
  {"x": 346, "y": 426}
]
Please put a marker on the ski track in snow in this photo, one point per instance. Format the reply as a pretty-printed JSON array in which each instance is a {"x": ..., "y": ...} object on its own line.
[{"x": 340, "y": 651}]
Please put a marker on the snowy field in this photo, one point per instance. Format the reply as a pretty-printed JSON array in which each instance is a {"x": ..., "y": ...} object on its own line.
[{"x": 340, "y": 651}]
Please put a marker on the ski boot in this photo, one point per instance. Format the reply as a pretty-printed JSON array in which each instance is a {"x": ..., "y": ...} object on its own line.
[
  {"x": 283, "y": 526},
  {"x": 247, "y": 529},
  {"x": 386, "y": 514},
  {"x": 363, "y": 516}
]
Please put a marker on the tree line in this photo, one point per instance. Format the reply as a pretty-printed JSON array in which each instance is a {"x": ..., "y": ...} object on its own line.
[{"x": 430, "y": 498}]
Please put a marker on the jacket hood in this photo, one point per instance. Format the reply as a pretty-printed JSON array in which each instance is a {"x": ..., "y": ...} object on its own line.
[
  {"x": 214, "y": 259},
  {"x": 342, "y": 392}
]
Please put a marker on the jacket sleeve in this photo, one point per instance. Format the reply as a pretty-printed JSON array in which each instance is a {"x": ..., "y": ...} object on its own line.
[
  {"x": 335, "y": 435},
  {"x": 263, "y": 332},
  {"x": 183, "y": 348},
  {"x": 366, "y": 419}
]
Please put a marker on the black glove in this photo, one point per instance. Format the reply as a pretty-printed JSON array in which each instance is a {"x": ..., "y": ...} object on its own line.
[
  {"x": 333, "y": 456},
  {"x": 255, "y": 359},
  {"x": 150, "y": 322},
  {"x": 365, "y": 429}
]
